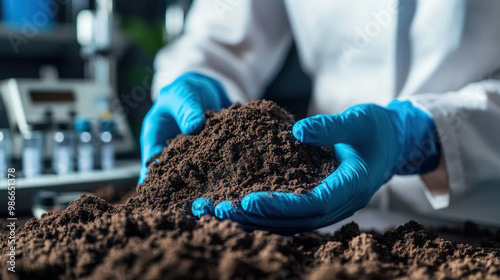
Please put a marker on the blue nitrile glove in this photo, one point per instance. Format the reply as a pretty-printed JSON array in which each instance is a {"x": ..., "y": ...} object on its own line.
[
  {"x": 372, "y": 144},
  {"x": 179, "y": 108}
]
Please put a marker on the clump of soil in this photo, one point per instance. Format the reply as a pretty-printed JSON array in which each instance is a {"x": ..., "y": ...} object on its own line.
[
  {"x": 142, "y": 239},
  {"x": 242, "y": 149}
]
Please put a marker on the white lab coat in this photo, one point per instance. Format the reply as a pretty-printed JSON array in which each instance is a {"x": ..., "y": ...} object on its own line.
[{"x": 349, "y": 50}]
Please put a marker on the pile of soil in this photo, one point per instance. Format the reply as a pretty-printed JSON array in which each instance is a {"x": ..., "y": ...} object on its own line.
[
  {"x": 93, "y": 239},
  {"x": 243, "y": 149},
  {"x": 144, "y": 239}
]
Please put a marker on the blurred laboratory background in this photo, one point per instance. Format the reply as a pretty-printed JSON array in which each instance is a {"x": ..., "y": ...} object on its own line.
[{"x": 75, "y": 81}]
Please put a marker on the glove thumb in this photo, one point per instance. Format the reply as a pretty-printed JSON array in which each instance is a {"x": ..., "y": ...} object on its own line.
[{"x": 322, "y": 130}]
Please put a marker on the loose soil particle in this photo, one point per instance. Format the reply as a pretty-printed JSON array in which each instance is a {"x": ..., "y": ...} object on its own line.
[{"x": 145, "y": 239}]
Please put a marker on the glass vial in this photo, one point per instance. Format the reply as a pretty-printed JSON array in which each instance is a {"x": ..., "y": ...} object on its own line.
[
  {"x": 84, "y": 148},
  {"x": 32, "y": 154},
  {"x": 63, "y": 152},
  {"x": 107, "y": 147}
]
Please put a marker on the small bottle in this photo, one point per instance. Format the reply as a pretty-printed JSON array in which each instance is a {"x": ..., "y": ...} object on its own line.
[
  {"x": 106, "y": 128},
  {"x": 63, "y": 150},
  {"x": 32, "y": 153},
  {"x": 84, "y": 148},
  {"x": 5, "y": 150},
  {"x": 49, "y": 128}
]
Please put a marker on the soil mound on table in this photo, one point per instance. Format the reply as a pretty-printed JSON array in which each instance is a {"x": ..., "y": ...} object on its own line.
[
  {"x": 242, "y": 149},
  {"x": 117, "y": 242},
  {"x": 151, "y": 236}
]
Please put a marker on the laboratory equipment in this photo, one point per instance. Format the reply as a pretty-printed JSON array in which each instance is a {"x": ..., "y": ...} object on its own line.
[
  {"x": 32, "y": 153},
  {"x": 32, "y": 104},
  {"x": 95, "y": 35},
  {"x": 27, "y": 101},
  {"x": 26, "y": 104},
  {"x": 63, "y": 151},
  {"x": 85, "y": 146},
  {"x": 107, "y": 148}
]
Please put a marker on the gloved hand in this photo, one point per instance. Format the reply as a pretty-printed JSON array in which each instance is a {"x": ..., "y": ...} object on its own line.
[
  {"x": 372, "y": 144},
  {"x": 179, "y": 108}
]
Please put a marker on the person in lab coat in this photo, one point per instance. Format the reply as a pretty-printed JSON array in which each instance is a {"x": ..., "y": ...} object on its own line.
[{"x": 400, "y": 88}]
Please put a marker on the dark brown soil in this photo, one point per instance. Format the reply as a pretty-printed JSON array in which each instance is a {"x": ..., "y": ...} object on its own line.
[
  {"x": 95, "y": 240},
  {"x": 142, "y": 239},
  {"x": 242, "y": 149},
  {"x": 113, "y": 195}
]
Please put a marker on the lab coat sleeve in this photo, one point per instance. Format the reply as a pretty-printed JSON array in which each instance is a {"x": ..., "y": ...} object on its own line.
[
  {"x": 241, "y": 43},
  {"x": 468, "y": 125}
]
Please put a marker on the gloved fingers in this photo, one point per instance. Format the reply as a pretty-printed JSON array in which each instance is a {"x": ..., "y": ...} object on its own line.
[
  {"x": 202, "y": 206},
  {"x": 186, "y": 108},
  {"x": 323, "y": 130},
  {"x": 224, "y": 211},
  {"x": 286, "y": 226},
  {"x": 281, "y": 205},
  {"x": 212, "y": 94},
  {"x": 347, "y": 184},
  {"x": 333, "y": 192},
  {"x": 157, "y": 128},
  {"x": 189, "y": 96}
]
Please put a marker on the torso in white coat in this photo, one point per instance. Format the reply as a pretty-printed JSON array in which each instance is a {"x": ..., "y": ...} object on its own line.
[
  {"x": 349, "y": 48},
  {"x": 439, "y": 54}
]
